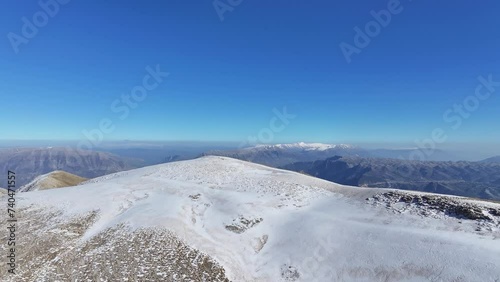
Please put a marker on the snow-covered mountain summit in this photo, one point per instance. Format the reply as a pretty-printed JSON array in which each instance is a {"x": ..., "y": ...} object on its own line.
[{"x": 220, "y": 219}]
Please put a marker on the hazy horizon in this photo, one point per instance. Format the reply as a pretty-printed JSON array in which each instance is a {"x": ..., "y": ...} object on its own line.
[{"x": 460, "y": 151}]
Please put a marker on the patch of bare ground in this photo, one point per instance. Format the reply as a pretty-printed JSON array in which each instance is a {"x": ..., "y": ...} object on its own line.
[
  {"x": 50, "y": 248},
  {"x": 42, "y": 236},
  {"x": 148, "y": 254},
  {"x": 54, "y": 180}
]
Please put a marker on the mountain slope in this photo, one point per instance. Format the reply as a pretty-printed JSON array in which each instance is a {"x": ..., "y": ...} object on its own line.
[
  {"x": 55, "y": 179},
  {"x": 219, "y": 219},
  {"x": 495, "y": 159},
  {"x": 471, "y": 179},
  {"x": 29, "y": 163}
]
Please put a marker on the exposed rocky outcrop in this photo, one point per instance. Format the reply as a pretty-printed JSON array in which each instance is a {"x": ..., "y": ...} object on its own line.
[{"x": 447, "y": 205}]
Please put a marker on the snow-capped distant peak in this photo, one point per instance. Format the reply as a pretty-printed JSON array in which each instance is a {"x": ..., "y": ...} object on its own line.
[{"x": 304, "y": 146}]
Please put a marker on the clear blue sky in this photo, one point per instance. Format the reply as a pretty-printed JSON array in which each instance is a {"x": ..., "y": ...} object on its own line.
[{"x": 227, "y": 76}]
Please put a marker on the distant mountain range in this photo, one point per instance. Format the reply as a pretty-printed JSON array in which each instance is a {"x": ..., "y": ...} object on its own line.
[
  {"x": 462, "y": 178},
  {"x": 151, "y": 154},
  {"x": 29, "y": 163},
  {"x": 495, "y": 159},
  {"x": 472, "y": 179},
  {"x": 283, "y": 154}
]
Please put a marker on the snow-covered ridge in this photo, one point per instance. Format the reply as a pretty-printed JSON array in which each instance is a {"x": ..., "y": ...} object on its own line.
[
  {"x": 304, "y": 146},
  {"x": 217, "y": 218}
]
